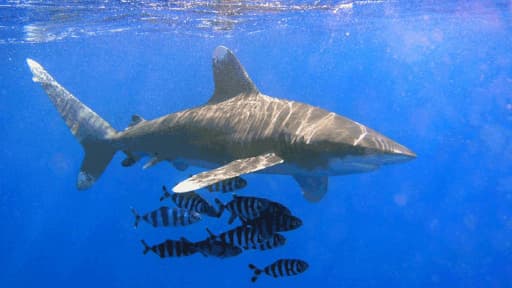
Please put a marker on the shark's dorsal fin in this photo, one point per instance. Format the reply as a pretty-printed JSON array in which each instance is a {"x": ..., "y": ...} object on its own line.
[{"x": 230, "y": 77}]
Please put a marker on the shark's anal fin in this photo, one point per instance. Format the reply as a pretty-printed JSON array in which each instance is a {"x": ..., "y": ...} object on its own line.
[
  {"x": 230, "y": 170},
  {"x": 313, "y": 187},
  {"x": 230, "y": 77}
]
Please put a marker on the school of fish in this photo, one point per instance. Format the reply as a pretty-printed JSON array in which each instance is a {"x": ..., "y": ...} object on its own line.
[{"x": 261, "y": 220}]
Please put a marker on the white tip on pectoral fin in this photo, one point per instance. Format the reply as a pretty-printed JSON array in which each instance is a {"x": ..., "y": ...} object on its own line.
[
  {"x": 313, "y": 187},
  {"x": 230, "y": 170}
]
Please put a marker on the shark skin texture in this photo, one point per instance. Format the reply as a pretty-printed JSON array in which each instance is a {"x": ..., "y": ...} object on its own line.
[{"x": 238, "y": 131}]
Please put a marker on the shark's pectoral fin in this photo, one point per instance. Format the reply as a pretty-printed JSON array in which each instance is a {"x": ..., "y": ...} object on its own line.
[
  {"x": 313, "y": 187},
  {"x": 228, "y": 171}
]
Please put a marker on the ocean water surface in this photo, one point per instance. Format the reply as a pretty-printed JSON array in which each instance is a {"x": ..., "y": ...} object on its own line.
[{"x": 435, "y": 76}]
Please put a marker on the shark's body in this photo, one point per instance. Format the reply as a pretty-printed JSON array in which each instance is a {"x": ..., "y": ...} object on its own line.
[{"x": 238, "y": 131}]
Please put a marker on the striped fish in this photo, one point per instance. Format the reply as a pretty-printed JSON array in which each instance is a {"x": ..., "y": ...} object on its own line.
[
  {"x": 217, "y": 248},
  {"x": 171, "y": 248},
  {"x": 245, "y": 208},
  {"x": 277, "y": 208},
  {"x": 191, "y": 201},
  {"x": 228, "y": 185},
  {"x": 269, "y": 224},
  {"x": 280, "y": 268},
  {"x": 241, "y": 236},
  {"x": 275, "y": 241},
  {"x": 165, "y": 216}
]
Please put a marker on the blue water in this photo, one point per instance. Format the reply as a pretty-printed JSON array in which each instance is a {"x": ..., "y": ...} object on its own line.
[{"x": 436, "y": 77}]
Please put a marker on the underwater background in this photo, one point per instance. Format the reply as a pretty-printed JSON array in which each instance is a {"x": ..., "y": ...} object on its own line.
[{"x": 435, "y": 76}]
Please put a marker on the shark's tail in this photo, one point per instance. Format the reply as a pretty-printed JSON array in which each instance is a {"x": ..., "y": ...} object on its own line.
[{"x": 90, "y": 129}]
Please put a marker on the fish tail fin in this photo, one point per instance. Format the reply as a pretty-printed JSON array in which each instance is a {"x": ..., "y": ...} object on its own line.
[
  {"x": 166, "y": 193},
  {"x": 231, "y": 219},
  {"x": 210, "y": 233},
  {"x": 221, "y": 207},
  {"x": 146, "y": 247},
  {"x": 257, "y": 272},
  {"x": 92, "y": 131},
  {"x": 137, "y": 217}
]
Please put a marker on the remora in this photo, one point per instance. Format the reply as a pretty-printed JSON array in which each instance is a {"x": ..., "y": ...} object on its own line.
[{"x": 238, "y": 131}]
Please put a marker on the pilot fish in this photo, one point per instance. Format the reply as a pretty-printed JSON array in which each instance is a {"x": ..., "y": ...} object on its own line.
[
  {"x": 165, "y": 216},
  {"x": 245, "y": 208},
  {"x": 217, "y": 248},
  {"x": 191, "y": 201},
  {"x": 280, "y": 268},
  {"x": 269, "y": 224},
  {"x": 275, "y": 241},
  {"x": 171, "y": 248},
  {"x": 241, "y": 236},
  {"x": 228, "y": 185}
]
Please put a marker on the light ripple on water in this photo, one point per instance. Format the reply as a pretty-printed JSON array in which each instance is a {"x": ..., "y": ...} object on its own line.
[
  {"x": 36, "y": 21},
  {"x": 43, "y": 21}
]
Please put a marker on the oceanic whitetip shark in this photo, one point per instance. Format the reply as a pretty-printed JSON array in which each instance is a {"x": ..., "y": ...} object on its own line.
[{"x": 238, "y": 131}]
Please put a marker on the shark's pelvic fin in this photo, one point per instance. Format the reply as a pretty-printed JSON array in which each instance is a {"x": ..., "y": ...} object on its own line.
[
  {"x": 230, "y": 170},
  {"x": 131, "y": 158},
  {"x": 180, "y": 165},
  {"x": 313, "y": 187},
  {"x": 88, "y": 127},
  {"x": 230, "y": 77}
]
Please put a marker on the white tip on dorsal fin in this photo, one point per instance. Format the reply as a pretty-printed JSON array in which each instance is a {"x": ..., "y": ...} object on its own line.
[{"x": 229, "y": 76}]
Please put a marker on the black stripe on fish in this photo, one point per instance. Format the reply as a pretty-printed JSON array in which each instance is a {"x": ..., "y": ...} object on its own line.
[
  {"x": 154, "y": 216},
  {"x": 165, "y": 217}
]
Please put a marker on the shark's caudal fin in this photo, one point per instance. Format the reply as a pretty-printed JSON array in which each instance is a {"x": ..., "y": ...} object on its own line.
[
  {"x": 230, "y": 77},
  {"x": 88, "y": 128}
]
